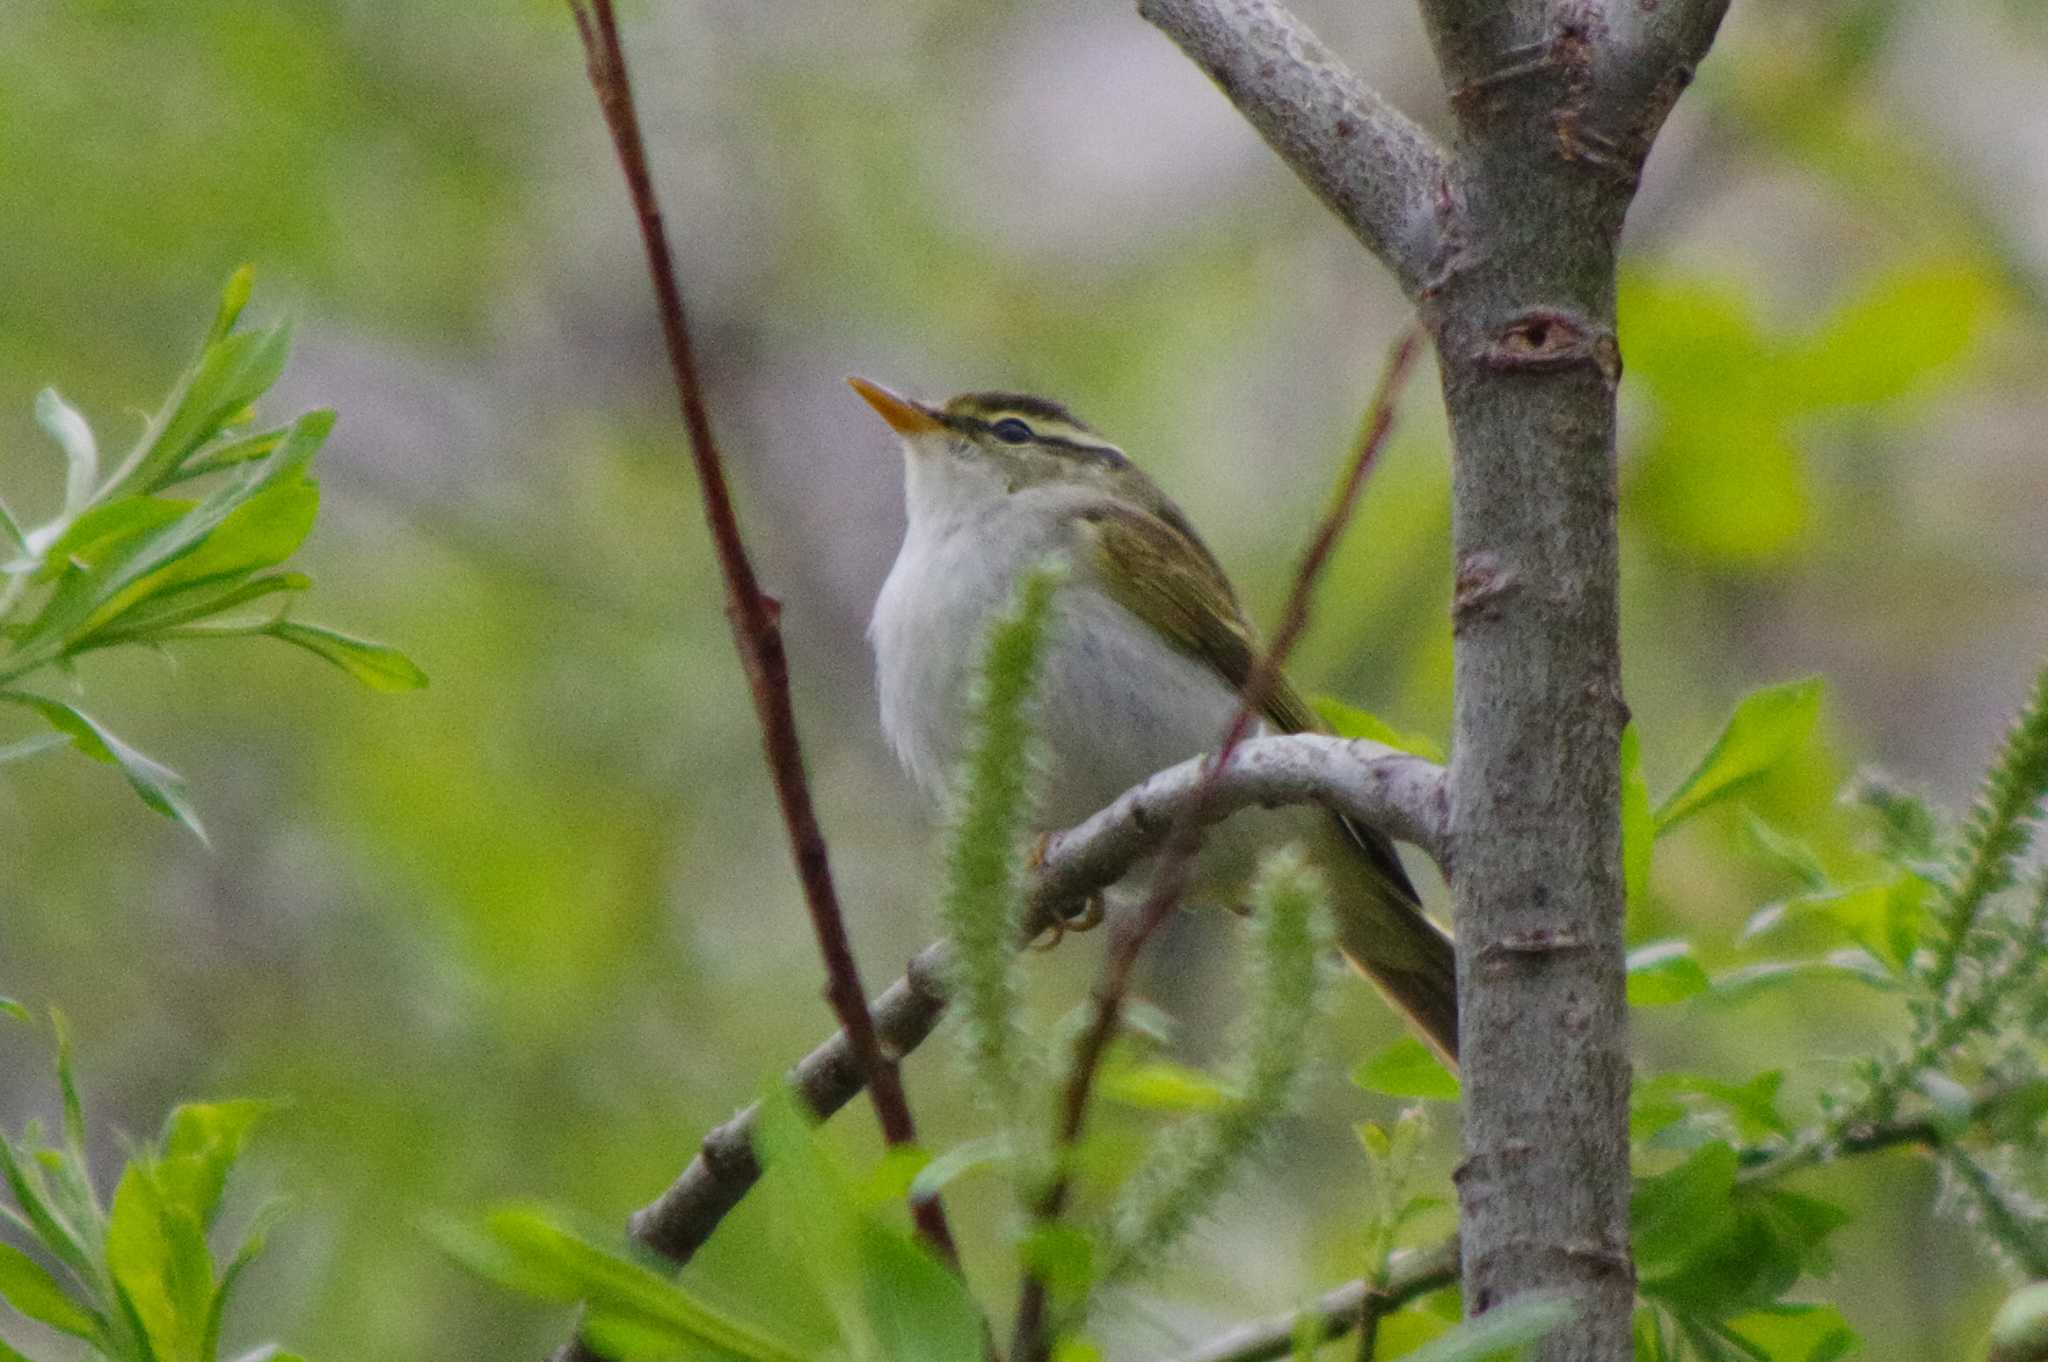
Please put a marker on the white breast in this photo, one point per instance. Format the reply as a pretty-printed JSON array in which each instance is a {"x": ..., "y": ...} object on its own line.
[{"x": 1117, "y": 702}]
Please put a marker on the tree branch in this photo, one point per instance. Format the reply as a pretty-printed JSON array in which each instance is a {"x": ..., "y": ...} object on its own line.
[
  {"x": 1645, "y": 64},
  {"x": 1412, "y": 1273},
  {"x": 1649, "y": 46},
  {"x": 754, "y": 617},
  {"x": 1401, "y": 795},
  {"x": 1376, "y": 170},
  {"x": 1417, "y": 1272}
]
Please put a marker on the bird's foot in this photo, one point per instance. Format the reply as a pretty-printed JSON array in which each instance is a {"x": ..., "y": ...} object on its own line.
[{"x": 1087, "y": 919}]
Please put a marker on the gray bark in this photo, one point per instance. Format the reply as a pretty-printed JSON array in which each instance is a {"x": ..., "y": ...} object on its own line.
[{"x": 1557, "y": 102}]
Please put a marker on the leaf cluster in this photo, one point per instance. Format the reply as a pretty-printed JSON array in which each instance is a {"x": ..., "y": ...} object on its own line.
[
  {"x": 135, "y": 1278},
  {"x": 1936, "y": 915},
  {"x": 186, "y": 538},
  {"x": 889, "y": 1298}
]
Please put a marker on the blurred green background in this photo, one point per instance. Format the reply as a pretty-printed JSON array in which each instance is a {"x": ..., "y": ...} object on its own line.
[{"x": 531, "y": 931}]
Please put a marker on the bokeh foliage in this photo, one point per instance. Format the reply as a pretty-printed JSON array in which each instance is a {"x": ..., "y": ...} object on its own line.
[{"x": 527, "y": 933}]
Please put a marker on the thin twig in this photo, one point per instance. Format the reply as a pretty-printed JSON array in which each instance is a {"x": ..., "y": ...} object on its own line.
[
  {"x": 1762, "y": 1164},
  {"x": 1371, "y": 1305},
  {"x": 1030, "y": 1340},
  {"x": 1396, "y": 793},
  {"x": 1411, "y": 1273},
  {"x": 752, "y": 613},
  {"x": 1416, "y": 1272}
]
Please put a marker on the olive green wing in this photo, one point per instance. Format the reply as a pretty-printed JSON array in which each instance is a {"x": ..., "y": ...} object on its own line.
[{"x": 1159, "y": 571}]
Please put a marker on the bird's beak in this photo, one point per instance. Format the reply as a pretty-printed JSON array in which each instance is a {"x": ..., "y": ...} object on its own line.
[{"x": 905, "y": 417}]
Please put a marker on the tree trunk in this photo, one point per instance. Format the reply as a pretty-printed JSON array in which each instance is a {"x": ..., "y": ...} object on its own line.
[{"x": 1506, "y": 242}]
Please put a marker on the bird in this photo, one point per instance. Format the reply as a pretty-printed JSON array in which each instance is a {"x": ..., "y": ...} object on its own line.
[{"x": 1145, "y": 665}]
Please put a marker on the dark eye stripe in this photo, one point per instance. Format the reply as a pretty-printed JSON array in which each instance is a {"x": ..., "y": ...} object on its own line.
[{"x": 1025, "y": 434}]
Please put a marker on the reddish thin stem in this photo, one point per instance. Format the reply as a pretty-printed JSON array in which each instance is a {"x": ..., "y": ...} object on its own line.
[
  {"x": 1030, "y": 1341},
  {"x": 752, "y": 612}
]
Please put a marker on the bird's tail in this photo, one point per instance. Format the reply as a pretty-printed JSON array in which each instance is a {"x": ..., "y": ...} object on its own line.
[{"x": 1386, "y": 936}]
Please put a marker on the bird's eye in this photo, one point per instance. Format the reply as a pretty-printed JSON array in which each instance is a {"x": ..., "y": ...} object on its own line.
[{"x": 1011, "y": 431}]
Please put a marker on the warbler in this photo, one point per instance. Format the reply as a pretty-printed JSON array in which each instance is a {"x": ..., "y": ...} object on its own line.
[{"x": 1147, "y": 658}]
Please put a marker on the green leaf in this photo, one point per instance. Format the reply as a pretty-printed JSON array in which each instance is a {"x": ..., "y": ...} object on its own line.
[
  {"x": 137, "y": 1329},
  {"x": 234, "y": 296},
  {"x": 253, "y": 1239},
  {"x": 1766, "y": 727},
  {"x": 67, "y": 1086},
  {"x": 1853, "y": 966},
  {"x": 11, "y": 527},
  {"x": 260, "y": 532},
  {"x": 1725, "y": 486},
  {"x": 1407, "y": 1068},
  {"x": 200, "y": 1145},
  {"x": 1663, "y": 972},
  {"x": 89, "y": 599},
  {"x": 1753, "y": 1104},
  {"x": 233, "y": 372},
  {"x": 32, "y": 745},
  {"x": 629, "y": 1338},
  {"x": 376, "y": 665},
  {"x": 105, "y": 532},
  {"x": 1162, "y": 1085},
  {"x": 1888, "y": 342},
  {"x": 889, "y": 1181},
  {"x": 989, "y": 1151},
  {"x": 1505, "y": 1329},
  {"x": 148, "y": 1258},
  {"x": 1796, "y": 1332},
  {"x": 81, "y": 451},
  {"x": 1886, "y": 918},
  {"x": 919, "y": 1310},
  {"x": 1909, "y": 830},
  {"x": 523, "y": 1249},
  {"x": 1061, "y": 1256},
  {"x": 160, "y": 787},
  {"x": 1349, "y": 721},
  {"x": 229, "y": 453},
  {"x": 1790, "y": 854},
  {"x": 53, "y": 1229},
  {"x": 36, "y": 1294},
  {"x": 1401, "y": 1332},
  {"x": 11, "y": 1008},
  {"x": 1673, "y": 1213},
  {"x": 1761, "y": 1241},
  {"x": 177, "y": 613},
  {"x": 893, "y": 1299},
  {"x": 1638, "y": 829}
]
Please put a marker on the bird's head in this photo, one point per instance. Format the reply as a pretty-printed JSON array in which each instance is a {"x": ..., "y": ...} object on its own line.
[{"x": 980, "y": 448}]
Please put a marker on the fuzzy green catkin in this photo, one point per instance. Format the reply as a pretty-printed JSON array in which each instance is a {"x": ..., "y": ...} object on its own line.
[
  {"x": 1998, "y": 831},
  {"x": 982, "y": 903},
  {"x": 1196, "y": 1160},
  {"x": 2013, "y": 1224},
  {"x": 2000, "y": 974}
]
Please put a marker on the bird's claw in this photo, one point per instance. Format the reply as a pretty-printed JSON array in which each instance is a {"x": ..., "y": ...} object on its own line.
[{"x": 1087, "y": 919}]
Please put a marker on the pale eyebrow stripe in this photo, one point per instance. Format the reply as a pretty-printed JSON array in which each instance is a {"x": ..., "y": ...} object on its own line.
[{"x": 1102, "y": 453}]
